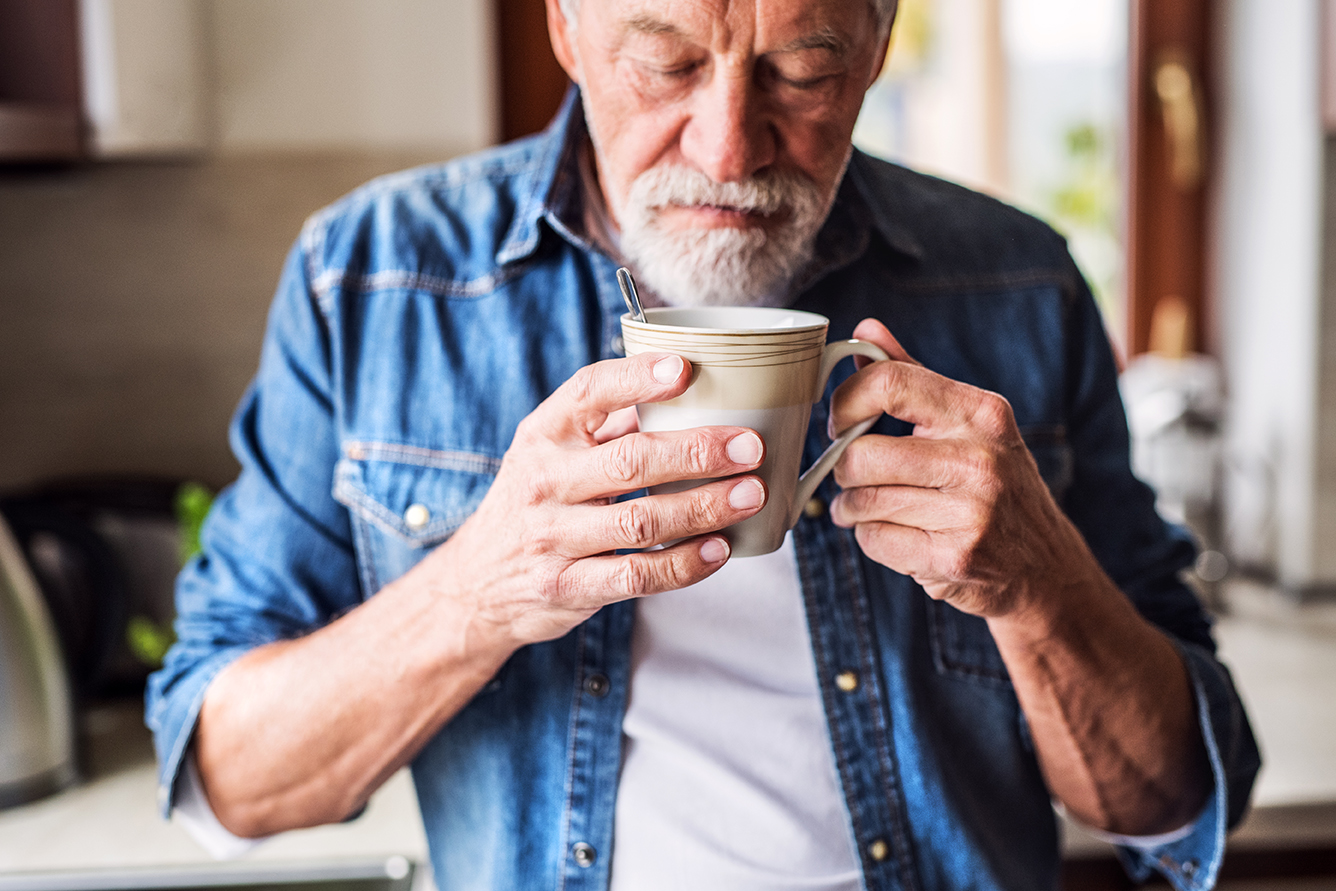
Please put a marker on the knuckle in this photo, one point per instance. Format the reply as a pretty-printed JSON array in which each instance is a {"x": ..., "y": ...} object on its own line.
[
  {"x": 552, "y": 582},
  {"x": 634, "y": 576},
  {"x": 698, "y": 456},
  {"x": 583, "y": 384},
  {"x": 856, "y": 500},
  {"x": 980, "y": 463},
  {"x": 992, "y": 414},
  {"x": 846, "y": 469},
  {"x": 889, "y": 384},
  {"x": 622, "y": 462},
  {"x": 636, "y": 524},
  {"x": 956, "y": 565},
  {"x": 869, "y": 538},
  {"x": 707, "y": 509},
  {"x": 534, "y": 486}
]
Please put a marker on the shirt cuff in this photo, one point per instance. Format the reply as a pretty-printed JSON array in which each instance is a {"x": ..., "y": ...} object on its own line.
[
  {"x": 192, "y": 811},
  {"x": 1141, "y": 842},
  {"x": 1190, "y": 857}
]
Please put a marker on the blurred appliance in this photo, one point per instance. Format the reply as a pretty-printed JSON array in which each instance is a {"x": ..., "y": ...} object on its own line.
[
  {"x": 36, "y": 716},
  {"x": 1175, "y": 415},
  {"x": 105, "y": 554}
]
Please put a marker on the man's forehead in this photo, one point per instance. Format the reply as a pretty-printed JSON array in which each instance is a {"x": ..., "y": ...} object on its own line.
[{"x": 774, "y": 25}]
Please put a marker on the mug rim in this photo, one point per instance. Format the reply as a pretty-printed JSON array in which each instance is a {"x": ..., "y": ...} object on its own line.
[{"x": 649, "y": 326}]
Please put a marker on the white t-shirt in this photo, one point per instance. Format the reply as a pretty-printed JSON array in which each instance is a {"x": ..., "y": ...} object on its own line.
[{"x": 728, "y": 776}]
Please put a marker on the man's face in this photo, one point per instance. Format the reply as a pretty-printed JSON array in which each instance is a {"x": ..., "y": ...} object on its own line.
[{"x": 721, "y": 131}]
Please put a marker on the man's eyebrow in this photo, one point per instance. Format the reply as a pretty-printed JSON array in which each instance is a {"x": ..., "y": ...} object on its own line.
[
  {"x": 644, "y": 23},
  {"x": 824, "y": 39}
]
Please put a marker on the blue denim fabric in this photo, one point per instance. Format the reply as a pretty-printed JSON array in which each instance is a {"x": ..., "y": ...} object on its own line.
[{"x": 422, "y": 317}]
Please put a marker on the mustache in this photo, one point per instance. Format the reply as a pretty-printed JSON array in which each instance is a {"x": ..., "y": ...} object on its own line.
[{"x": 767, "y": 193}]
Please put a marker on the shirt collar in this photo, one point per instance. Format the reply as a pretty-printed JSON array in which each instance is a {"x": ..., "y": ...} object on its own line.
[{"x": 557, "y": 197}]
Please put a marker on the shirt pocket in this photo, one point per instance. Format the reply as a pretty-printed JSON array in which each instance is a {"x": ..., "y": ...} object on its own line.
[
  {"x": 405, "y": 500},
  {"x": 962, "y": 645}
]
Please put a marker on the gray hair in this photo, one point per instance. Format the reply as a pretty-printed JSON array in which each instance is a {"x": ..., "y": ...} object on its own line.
[{"x": 884, "y": 10}]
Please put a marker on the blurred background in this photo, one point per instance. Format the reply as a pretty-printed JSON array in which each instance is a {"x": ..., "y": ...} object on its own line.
[{"x": 157, "y": 158}]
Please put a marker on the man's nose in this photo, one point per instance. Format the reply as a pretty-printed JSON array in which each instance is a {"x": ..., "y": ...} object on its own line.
[{"x": 729, "y": 137}]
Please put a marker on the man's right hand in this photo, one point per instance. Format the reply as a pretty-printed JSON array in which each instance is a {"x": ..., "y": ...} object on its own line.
[
  {"x": 300, "y": 732},
  {"x": 538, "y": 556}
]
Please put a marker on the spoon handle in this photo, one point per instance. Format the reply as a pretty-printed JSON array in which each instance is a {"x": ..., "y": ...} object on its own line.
[{"x": 629, "y": 294}]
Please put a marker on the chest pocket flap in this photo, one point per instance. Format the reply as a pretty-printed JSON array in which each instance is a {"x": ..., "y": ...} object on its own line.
[{"x": 415, "y": 495}]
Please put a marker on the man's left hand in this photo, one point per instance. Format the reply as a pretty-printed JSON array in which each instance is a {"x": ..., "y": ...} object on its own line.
[{"x": 959, "y": 506}]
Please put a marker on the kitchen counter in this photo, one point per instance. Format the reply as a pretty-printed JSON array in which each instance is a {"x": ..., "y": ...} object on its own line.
[
  {"x": 110, "y": 819},
  {"x": 1284, "y": 659}
]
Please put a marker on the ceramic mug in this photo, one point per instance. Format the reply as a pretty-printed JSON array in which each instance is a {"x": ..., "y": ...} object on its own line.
[{"x": 754, "y": 367}]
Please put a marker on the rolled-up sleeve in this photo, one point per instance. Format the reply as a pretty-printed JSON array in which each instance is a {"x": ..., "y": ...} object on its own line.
[
  {"x": 1192, "y": 862},
  {"x": 277, "y": 558},
  {"x": 1146, "y": 558}
]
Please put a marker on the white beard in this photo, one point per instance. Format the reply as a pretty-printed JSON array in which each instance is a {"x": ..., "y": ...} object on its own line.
[{"x": 724, "y": 266}]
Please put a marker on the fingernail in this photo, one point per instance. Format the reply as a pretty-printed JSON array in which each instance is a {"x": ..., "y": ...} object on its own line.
[
  {"x": 745, "y": 448},
  {"x": 668, "y": 369},
  {"x": 746, "y": 495},
  {"x": 715, "y": 550}
]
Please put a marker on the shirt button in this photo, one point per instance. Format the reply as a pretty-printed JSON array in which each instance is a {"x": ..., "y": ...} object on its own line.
[
  {"x": 596, "y": 685},
  {"x": 814, "y": 508},
  {"x": 878, "y": 850},
  {"x": 847, "y": 681},
  {"x": 584, "y": 854},
  {"x": 618, "y": 345},
  {"x": 416, "y": 516}
]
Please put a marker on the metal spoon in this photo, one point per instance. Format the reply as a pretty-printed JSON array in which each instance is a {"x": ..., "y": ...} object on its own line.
[{"x": 629, "y": 294}]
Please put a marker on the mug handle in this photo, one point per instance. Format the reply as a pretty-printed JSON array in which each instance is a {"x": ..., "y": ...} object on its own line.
[{"x": 813, "y": 476}]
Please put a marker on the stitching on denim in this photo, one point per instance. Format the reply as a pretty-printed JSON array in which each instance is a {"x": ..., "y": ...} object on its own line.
[
  {"x": 348, "y": 494},
  {"x": 393, "y": 279},
  {"x": 829, "y": 700},
  {"x": 880, "y": 718},
  {"x": 430, "y": 178},
  {"x": 571, "y": 735},
  {"x": 367, "y": 563},
  {"x": 422, "y": 457}
]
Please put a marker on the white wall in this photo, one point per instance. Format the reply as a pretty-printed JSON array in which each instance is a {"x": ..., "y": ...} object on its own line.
[
  {"x": 1266, "y": 274},
  {"x": 353, "y": 74}
]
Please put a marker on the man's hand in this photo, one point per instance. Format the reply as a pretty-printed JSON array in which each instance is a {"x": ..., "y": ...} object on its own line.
[
  {"x": 537, "y": 557},
  {"x": 959, "y": 506},
  {"x": 300, "y": 732}
]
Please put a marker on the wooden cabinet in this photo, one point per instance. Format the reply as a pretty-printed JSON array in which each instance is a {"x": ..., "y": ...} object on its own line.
[{"x": 40, "y": 97}]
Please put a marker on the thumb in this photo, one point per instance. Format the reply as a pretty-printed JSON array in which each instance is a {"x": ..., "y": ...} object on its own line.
[{"x": 874, "y": 331}]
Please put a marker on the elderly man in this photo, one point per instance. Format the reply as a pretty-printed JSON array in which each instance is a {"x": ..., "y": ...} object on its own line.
[{"x": 428, "y": 560}]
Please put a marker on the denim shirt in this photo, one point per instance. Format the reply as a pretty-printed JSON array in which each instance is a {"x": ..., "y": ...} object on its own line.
[{"x": 422, "y": 317}]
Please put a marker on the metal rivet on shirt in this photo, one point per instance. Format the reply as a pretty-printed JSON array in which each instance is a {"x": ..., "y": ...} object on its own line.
[
  {"x": 618, "y": 345},
  {"x": 814, "y": 508},
  {"x": 847, "y": 681},
  {"x": 596, "y": 685},
  {"x": 1189, "y": 867},
  {"x": 584, "y": 854},
  {"x": 417, "y": 516},
  {"x": 878, "y": 850}
]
